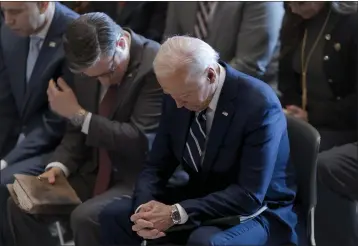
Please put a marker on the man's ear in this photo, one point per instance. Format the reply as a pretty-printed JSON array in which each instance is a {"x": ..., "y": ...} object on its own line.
[{"x": 42, "y": 6}]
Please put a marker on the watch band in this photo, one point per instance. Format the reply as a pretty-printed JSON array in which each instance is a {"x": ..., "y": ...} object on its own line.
[
  {"x": 175, "y": 215},
  {"x": 79, "y": 118}
]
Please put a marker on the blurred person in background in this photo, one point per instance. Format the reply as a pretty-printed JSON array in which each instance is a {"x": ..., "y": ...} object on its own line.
[
  {"x": 147, "y": 18},
  {"x": 31, "y": 53},
  {"x": 318, "y": 79},
  {"x": 318, "y": 68},
  {"x": 246, "y": 34}
]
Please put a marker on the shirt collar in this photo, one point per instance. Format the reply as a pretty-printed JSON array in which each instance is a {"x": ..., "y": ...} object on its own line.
[
  {"x": 42, "y": 34},
  {"x": 214, "y": 102}
]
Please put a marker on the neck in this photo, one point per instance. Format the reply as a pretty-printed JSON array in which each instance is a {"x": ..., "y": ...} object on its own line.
[{"x": 49, "y": 11}]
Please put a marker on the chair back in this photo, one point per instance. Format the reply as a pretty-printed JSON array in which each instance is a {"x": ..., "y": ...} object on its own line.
[{"x": 304, "y": 146}]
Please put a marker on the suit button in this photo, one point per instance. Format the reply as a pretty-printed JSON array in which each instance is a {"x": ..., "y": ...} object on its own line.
[
  {"x": 338, "y": 98},
  {"x": 326, "y": 58},
  {"x": 328, "y": 37},
  {"x": 330, "y": 81}
]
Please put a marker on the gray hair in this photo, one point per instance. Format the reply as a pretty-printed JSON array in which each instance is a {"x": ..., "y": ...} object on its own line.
[
  {"x": 184, "y": 53},
  {"x": 88, "y": 38},
  {"x": 345, "y": 8}
]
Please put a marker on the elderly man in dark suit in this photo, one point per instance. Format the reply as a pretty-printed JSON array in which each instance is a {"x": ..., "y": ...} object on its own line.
[
  {"x": 113, "y": 113},
  {"x": 31, "y": 53},
  {"x": 229, "y": 132}
]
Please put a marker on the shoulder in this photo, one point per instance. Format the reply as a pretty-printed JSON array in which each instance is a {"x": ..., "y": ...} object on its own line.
[{"x": 66, "y": 15}]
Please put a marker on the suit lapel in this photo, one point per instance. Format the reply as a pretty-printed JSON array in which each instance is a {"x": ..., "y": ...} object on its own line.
[
  {"x": 224, "y": 113},
  {"x": 19, "y": 49},
  {"x": 183, "y": 126}
]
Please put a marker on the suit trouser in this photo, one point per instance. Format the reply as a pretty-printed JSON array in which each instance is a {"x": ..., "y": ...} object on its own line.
[
  {"x": 32, "y": 166},
  {"x": 336, "y": 214},
  {"x": 116, "y": 230},
  {"x": 32, "y": 230},
  {"x": 338, "y": 170}
]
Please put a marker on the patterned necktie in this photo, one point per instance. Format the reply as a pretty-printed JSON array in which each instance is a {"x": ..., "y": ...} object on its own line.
[
  {"x": 105, "y": 165},
  {"x": 195, "y": 142},
  {"x": 34, "y": 50},
  {"x": 202, "y": 19}
]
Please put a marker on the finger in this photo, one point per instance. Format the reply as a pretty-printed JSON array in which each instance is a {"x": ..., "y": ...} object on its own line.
[
  {"x": 142, "y": 224},
  {"x": 62, "y": 84},
  {"x": 148, "y": 234},
  {"x": 52, "y": 88},
  {"x": 141, "y": 215}
]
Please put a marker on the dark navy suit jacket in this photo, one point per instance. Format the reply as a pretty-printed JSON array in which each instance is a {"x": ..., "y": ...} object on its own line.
[
  {"x": 246, "y": 163},
  {"x": 24, "y": 109}
]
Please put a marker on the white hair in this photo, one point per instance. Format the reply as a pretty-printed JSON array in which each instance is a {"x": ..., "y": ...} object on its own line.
[{"x": 184, "y": 53}]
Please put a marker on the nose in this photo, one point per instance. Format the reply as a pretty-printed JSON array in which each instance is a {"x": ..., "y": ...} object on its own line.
[{"x": 179, "y": 103}]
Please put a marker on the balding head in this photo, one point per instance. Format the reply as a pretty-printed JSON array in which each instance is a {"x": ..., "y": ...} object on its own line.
[{"x": 186, "y": 68}]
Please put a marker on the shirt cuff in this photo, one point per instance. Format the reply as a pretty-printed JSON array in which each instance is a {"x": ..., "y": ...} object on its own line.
[
  {"x": 3, "y": 164},
  {"x": 137, "y": 210},
  {"x": 59, "y": 165},
  {"x": 86, "y": 123},
  {"x": 183, "y": 215}
]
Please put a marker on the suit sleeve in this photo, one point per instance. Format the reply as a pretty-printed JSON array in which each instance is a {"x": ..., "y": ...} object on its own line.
[
  {"x": 171, "y": 24},
  {"x": 124, "y": 137},
  {"x": 258, "y": 37},
  {"x": 8, "y": 109},
  {"x": 260, "y": 149},
  {"x": 160, "y": 165}
]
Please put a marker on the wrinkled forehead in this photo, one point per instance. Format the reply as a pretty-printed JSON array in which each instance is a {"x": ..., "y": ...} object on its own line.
[{"x": 177, "y": 84}]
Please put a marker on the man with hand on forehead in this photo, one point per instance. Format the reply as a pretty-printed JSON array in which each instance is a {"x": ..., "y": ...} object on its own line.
[
  {"x": 113, "y": 113},
  {"x": 229, "y": 133}
]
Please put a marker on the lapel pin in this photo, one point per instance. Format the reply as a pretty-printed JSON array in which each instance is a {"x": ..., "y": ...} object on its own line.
[
  {"x": 52, "y": 44},
  {"x": 225, "y": 113},
  {"x": 337, "y": 46}
]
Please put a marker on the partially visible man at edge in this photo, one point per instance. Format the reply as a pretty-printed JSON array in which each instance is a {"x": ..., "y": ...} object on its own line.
[
  {"x": 114, "y": 112},
  {"x": 31, "y": 53}
]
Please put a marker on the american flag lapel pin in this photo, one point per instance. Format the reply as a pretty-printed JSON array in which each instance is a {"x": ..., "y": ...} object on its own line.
[
  {"x": 225, "y": 113},
  {"x": 52, "y": 44}
]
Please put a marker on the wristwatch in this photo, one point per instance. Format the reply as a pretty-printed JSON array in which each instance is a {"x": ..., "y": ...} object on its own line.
[
  {"x": 79, "y": 117},
  {"x": 175, "y": 215}
]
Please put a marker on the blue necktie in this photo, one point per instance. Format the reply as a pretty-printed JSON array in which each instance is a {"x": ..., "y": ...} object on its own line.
[
  {"x": 195, "y": 143},
  {"x": 34, "y": 50}
]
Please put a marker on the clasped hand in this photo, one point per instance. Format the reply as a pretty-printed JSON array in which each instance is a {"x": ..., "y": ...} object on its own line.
[{"x": 152, "y": 220}]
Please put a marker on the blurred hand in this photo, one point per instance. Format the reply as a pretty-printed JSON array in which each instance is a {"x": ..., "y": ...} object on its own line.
[
  {"x": 297, "y": 112},
  {"x": 51, "y": 174},
  {"x": 62, "y": 100}
]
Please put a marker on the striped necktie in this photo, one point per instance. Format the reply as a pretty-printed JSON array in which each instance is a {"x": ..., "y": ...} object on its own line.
[
  {"x": 195, "y": 143},
  {"x": 202, "y": 19}
]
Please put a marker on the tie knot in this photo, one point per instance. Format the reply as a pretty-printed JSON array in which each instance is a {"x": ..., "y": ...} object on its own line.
[{"x": 36, "y": 41}]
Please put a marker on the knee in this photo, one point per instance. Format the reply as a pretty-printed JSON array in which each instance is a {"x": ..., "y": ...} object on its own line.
[
  {"x": 325, "y": 167},
  {"x": 81, "y": 217},
  {"x": 116, "y": 213}
]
